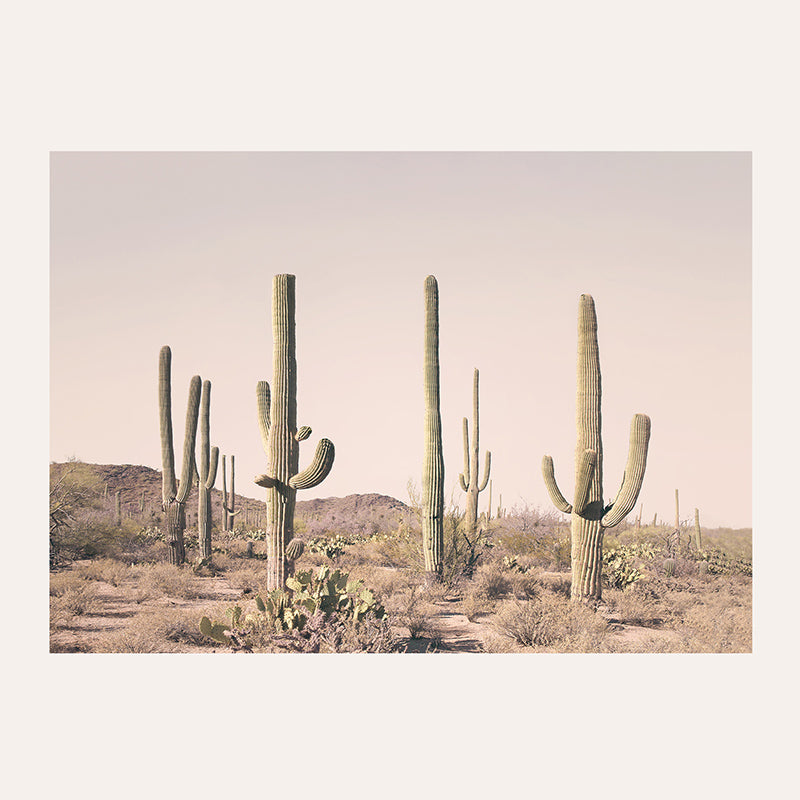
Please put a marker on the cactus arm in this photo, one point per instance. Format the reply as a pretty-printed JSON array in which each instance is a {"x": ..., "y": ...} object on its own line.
[
  {"x": 303, "y": 433},
  {"x": 189, "y": 466},
  {"x": 319, "y": 468},
  {"x": 486, "y": 469},
  {"x": 558, "y": 499},
  {"x": 465, "y": 478},
  {"x": 212, "y": 468},
  {"x": 263, "y": 399},
  {"x": 165, "y": 418},
  {"x": 634, "y": 472},
  {"x": 588, "y": 463},
  {"x": 201, "y": 474},
  {"x": 265, "y": 481}
]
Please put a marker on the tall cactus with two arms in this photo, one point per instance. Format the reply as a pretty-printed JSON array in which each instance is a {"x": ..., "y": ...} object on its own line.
[
  {"x": 174, "y": 495},
  {"x": 206, "y": 473},
  {"x": 469, "y": 478},
  {"x": 277, "y": 419},
  {"x": 590, "y": 517},
  {"x": 433, "y": 463}
]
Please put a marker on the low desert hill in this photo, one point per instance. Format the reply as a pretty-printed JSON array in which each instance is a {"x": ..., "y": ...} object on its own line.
[{"x": 140, "y": 497}]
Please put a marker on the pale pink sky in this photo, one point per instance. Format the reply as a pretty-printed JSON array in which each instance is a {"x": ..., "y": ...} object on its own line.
[{"x": 150, "y": 249}]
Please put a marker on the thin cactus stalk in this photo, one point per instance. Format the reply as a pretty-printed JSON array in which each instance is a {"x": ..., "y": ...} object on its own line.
[
  {"x": 277, "y": 419},
  {"x": 589, "y": 516},
  {"x": 698, "y": 538},
  {"x": 655, "y": 519},
  {"x": 174, "y": 495},
  {"x": 141, "y": 503},
  {"x": 433, "y": 463},
  {"x": 228, "y": 499},
  {"x": 469, "y": 478},
  {"x": 118, "y": 509},
  {"x": 489, "y": 509},
  {"x": 206, "y": 474}
]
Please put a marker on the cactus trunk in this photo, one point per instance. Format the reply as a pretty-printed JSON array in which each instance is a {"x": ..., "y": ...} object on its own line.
[
  {"x": 589, "y": 517},
  {"x": 174, "y": 495},
  {"x": 698, "y": 538},
  {"x": 433, "y": 463},
  {"x": 277, "y": 414},
  {"x": 469, "y": 478},
  {"x": 206, "y": 475}
]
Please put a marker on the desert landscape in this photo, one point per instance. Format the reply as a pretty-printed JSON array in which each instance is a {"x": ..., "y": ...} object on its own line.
[{"x": 112, "y": 590}]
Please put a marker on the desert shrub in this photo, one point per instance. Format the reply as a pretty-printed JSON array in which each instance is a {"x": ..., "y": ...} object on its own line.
[
  {"x": 524, "y": 585},
  {"x": 716, "y": 628},
  {"x": 159, "y": 580},
  {"x": 410, "y": 608},
  {"x": 73, "y": 601},
  {"x": 553, "y": 622},
  {"x": 106, "y": 570},
  {"x": 491, "y": 582},
  {"x": 634, "y": 607}
]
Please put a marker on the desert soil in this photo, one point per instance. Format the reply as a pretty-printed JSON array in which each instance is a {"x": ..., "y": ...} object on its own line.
[{"x": 455, "y": 632}]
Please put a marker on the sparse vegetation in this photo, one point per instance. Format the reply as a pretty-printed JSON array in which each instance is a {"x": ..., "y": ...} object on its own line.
[{"x": 120, "y": 595}]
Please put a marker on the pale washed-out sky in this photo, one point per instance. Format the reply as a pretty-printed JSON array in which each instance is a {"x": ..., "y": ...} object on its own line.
[{"x": 150, "y": 249}]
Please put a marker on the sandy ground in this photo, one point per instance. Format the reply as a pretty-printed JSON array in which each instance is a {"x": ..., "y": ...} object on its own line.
[{"x": 455, "y": 633}]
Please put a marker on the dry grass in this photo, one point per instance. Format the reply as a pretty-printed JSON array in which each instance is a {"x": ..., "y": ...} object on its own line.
[
  {"x": 166, "y": 580},
  {"x": 552, "y": 623}
]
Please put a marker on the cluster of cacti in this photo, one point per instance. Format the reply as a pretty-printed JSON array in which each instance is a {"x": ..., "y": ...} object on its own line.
[
  {"x": 173, "y": 494},
  {"x": 469, "y": 478},
  {"x": 590, "y": 517},
  {"x": 306, "y": 595},
  {"x": 206, "y": 475},
  {"x": 433, "y": 463},
  {"x": 277, "y": 419}
]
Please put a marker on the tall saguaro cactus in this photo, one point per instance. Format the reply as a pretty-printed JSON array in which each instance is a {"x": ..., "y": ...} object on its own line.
[
  {"x": 277, "y": 419},
  {"x": 469, "y": 478},
  {"x": 433, "y": 463},
  {"x": 590, "y": 517},
  {"x": 698, "y": 535},
  {"x": 206, "y": 473},
  {"x": 174, "y": 495}
]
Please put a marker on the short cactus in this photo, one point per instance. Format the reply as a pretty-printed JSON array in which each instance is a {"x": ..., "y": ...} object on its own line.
[
  {"x": 433, "y": 464},
  {"x": 669, "y": 567},
  {"x": 277, "y": 419},
  {"x": 469, "y": 478},
  {"x": 174, "y": 495},
  {"x": 206, "y": 475},
  {"x": 590, "y": 517},
  {"x": 698, "y": 536}
]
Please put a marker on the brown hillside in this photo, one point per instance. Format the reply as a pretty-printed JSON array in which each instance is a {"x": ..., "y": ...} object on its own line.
[{"x": 138, "y": 483}]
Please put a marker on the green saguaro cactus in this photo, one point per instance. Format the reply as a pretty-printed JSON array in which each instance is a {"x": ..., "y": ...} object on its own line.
[
  {"x": 277, "y": 419},
  {"x": 174, "y": 495},
  {"x": 590, "y": 517},
  {"x": 469, "y": 478},
  {"x": 433, "y": 463},
  {"x": 206, "y": 474},
  {"x": 228, "y": 499}
]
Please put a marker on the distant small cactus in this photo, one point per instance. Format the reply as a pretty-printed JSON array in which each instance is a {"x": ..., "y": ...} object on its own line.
[{"x": 669, "y": 567}]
